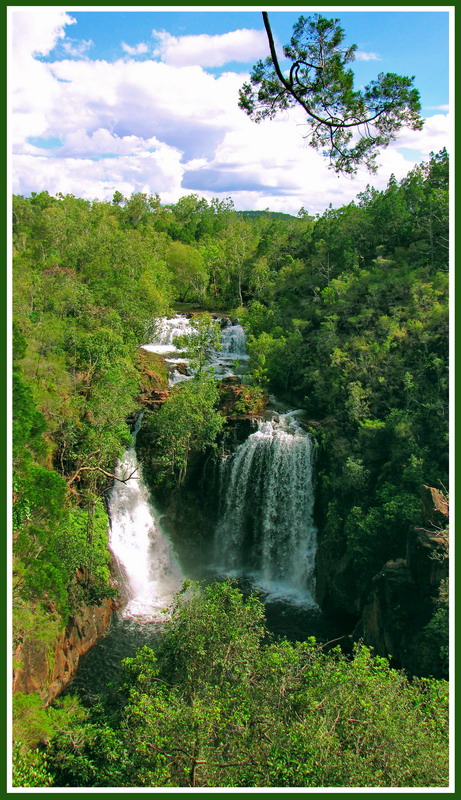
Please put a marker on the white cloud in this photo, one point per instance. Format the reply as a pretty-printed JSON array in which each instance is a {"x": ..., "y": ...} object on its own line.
[
  {"x": 34, "y": 90},
  {"x": 360, "y": 55},
  {"x": 77, "y": 47},
  {"x": 271, "y": 165},
  {"x": 435, "y": 135},
  {"x": 185, "y": 107},
  {"x": 103, "y": 142},
  {"x": 148, "y": 172},
  {"x": 136, "y": 50},
  {"x": 211, "y": 51},
  {"x": 161, "y": 127},
  {"x": 37, "y": 32}
]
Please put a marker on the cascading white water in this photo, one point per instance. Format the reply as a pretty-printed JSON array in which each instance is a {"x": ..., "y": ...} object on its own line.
[
  {"x": 266, "y": 529},
  {"x": 223, "y": 362},
  {"x": 265, "y": 532},
  {"x": 165, "y": 332},
  {"x": 233, "y": 340},
  {"x": 227, "y": 361},
  {"x": 139, "y": 544}
]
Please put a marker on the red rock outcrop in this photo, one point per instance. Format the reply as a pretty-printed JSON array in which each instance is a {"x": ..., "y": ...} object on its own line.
[{"x": 47, "y": 673}]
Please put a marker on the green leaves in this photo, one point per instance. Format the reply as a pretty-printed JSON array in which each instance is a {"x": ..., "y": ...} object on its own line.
[
  {"x": 320, "y": 82},
  {"x": 218, "y": 705},
  {"x": 187, "y": 422},
  {"x": 213, "y": 636},
  {"x": 30, "y": 768},
  {"x": 203, "y": 339},
  {"x": 348, "y": 318},
  {"x": 190, "y": 276}
]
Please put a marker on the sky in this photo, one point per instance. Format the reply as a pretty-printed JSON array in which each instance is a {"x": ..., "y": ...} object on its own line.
[{"x": 147, "y": 101}]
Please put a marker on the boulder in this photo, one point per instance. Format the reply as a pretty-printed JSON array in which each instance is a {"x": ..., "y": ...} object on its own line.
[
  {"x": 435, "y": 505},
  {"x": 389, "y": 609},
  {"x": 183, "y": 369},
  {"x": 427, "y": 557}
]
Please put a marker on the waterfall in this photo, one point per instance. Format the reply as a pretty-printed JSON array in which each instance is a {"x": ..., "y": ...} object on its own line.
[
  {"x": 225, "y": 362},
  {"x": 165, "y": 331},
  {"x": 139, "y": 544},
  {"x": 233, "y": 340},
  {"x": 266, "y": 531}
]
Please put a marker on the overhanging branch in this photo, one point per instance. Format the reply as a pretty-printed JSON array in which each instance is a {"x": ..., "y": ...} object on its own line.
[
  {"x": 289, "y": 87},
  {"x": 103, "y": 471}
]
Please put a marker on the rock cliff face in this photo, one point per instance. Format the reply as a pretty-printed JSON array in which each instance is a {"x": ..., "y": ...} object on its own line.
[
  {"x": 153, "y": 379},
  {"x": 46, "y": 672},
  {"x": 391, "y": 615},
  {"x": 334, "y": 579},
  {"x": 404, "y": 595},
  {"x": 401, "y": 602}
]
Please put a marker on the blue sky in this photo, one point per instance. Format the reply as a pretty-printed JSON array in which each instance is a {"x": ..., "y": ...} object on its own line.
[
  {"x": 147, "y": 101},
  {"x": 416, "y": 45}
]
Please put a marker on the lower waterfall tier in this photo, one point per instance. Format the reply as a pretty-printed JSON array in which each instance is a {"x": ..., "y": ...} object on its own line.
[
  {"x": 266, "y": 529},
  {"x": 145, "y": 554}
]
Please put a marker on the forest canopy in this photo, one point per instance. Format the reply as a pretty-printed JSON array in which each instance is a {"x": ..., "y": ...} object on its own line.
[
  {"x": 219, "y": 705},
  {"x": 347, "y": 318}
]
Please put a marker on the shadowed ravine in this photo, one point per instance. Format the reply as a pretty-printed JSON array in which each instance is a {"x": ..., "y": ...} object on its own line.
[{"x": 264, "y": 536}]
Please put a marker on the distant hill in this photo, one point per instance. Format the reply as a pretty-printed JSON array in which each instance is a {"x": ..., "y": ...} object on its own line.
[{"x": 272, "y": 214}]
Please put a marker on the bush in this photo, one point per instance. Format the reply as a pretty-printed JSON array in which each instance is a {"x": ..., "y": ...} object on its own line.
[{"x": 220, "y": 706}]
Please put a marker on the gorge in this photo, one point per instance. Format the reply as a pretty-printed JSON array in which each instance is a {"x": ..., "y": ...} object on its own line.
[
  {"x": 308, "y": 464},
  {"x": 260, "y": 532},
  {"x": 263, "y": 533}
]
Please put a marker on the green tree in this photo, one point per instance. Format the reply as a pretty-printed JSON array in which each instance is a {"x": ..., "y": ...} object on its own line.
[
  {"x": 30, "y": 768},
  {"x": 187, "y": 422},
  {"x": 219, "y": 705},
  {"x": 239, "y": 241},
  {"x": 214, "y": 259},
  {"x": 320, "y": 81},
  {"x": 190, "y": 277},
  {"x": 204, "y": 338}
]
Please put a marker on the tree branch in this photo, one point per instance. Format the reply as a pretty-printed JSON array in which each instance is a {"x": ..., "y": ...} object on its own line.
[
  {"x": 290, "y": 89},
  {"x": 104, "y": 472}
]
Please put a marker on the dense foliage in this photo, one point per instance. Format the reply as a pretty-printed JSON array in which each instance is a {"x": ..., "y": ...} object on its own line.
[
  {"x": 188, "y": 422},
  {"x": 84, "y": 290},
  {"x": 219, "y": 705},
  {"x": 356, "y": 328},
  {"x": 347, "y": 319}
]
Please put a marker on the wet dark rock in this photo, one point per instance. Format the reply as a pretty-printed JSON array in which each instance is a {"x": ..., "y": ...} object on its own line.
[
  {"x": 390, "y": 612},
  {"x": 405, "y": 592}
]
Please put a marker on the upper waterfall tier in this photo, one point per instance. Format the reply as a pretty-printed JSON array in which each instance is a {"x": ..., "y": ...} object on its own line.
[
  {"x": 165, "y": 332},
  {"x": 266, "y": 529},
  {"x": 224, "y": 362}
]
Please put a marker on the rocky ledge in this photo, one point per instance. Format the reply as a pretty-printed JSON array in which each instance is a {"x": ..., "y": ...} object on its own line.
[{"x": 46, "y": 672}]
